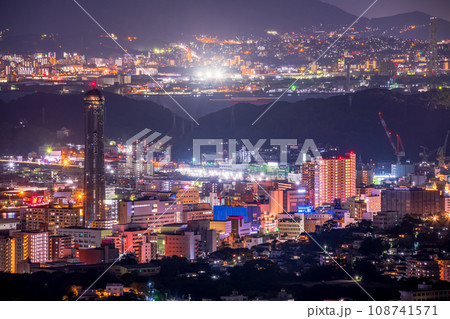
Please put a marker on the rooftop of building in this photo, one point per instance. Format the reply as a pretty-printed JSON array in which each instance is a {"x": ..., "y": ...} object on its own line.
[
  {"x": 83, "y": 228},
  {"x": 151, "y": 198},
  {"x": 8, "y": 220},
  {"x": 174, "y": 225},
  {"x": 94, "y": 95},
  {"x": 57, "y": 206},
  {"x": 234, "y": 217}
]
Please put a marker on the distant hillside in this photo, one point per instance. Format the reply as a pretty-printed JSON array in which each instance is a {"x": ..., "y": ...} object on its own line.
[
  {"x": 170, "y": 19},
  {"x": 421, "y": 21},
  {"x": 350, "y": 122},
  {"x": 161, "y": 22}
]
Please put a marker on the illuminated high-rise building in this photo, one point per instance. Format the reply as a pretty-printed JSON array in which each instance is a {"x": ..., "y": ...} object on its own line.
[
  {"x": 7, "y": 254},
  {"x": 19, "y": 247},
  {"x": 444, "y": 269},
  {"x": 335, "y": 179},
  {"x": 433, "y": 63},
  {"x": 53, "y": 216},
  {"x": 150, "y": 211},
  {"x": 187, "y": 194},
  {"x": 307, "y": 181},
  {"x": 59, "y": 247},
  {"x": 276, "y": 202},
  {"x": 94, "y": 161},
  {"x": 292, "y": 198},
  {"x": 133, "y": 235}
]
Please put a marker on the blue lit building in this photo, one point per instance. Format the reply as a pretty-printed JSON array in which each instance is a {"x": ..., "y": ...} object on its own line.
[{"x": 222, "y": 212}]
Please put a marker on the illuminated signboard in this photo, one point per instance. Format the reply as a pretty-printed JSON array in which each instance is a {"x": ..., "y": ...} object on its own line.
[
  {"x": 304, "y": 209},
  {"x": 36, "y": 200}
]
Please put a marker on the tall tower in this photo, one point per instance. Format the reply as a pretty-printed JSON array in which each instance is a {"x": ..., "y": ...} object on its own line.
[
  {"x": 433, "y": 63},
  {"x": 94, "y": 159}
]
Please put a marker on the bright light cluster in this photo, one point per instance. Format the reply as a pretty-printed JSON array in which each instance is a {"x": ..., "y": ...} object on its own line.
[
  {"x": 210, "y": 74},
  {"x": 211, "y": 172}
]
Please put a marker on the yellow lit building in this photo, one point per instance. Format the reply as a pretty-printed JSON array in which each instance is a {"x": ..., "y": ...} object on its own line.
[
  {"x": 187, "y": 194},
  {"x": 291, "y": 226},
  {"x": 335, "y": 178},
  {"x": 444, "y": 269},
  {"x": 21, "y": 246},
  {"x": 54, "y": 216}
]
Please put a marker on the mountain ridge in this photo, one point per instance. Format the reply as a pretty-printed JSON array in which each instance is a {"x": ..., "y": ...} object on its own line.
[{"x": 180, "y": 20}]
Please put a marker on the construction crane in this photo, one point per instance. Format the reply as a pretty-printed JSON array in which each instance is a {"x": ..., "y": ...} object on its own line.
[
  {"x": 426, "y": 153},
  {"x": 441, "y": 152},
  {"x": 399, "y": 149},
  {"x": 219, "y": 196}
]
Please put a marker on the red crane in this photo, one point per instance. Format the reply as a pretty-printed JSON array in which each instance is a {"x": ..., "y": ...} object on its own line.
[
  {"x": 399, "y": 149},
  {"x": 219, "y": 196}
]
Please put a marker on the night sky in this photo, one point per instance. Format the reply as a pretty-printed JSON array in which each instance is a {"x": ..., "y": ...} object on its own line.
[
  {"x": 439, "y": 8},
  {"x": 162, "y": 20}
]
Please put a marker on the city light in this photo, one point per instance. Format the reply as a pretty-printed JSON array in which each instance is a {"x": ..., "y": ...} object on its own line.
[{"x": 210, "y": 74}]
